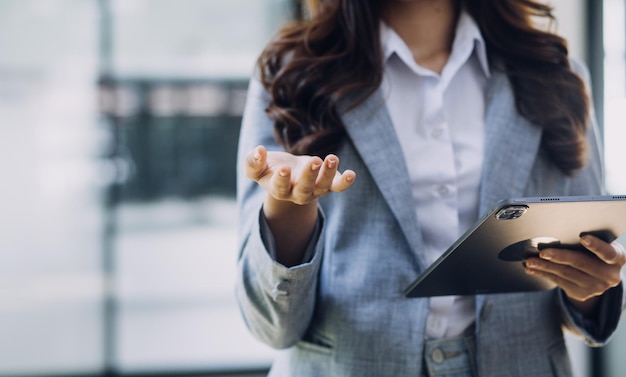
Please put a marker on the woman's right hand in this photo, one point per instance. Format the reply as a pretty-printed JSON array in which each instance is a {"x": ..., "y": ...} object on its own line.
[
  {"x": 297, "y": 179},
  {"x": 293, "y": 184}
]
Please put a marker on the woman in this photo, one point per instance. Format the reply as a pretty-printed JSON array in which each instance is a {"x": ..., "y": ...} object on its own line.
[{"x": 441, "y": 108}]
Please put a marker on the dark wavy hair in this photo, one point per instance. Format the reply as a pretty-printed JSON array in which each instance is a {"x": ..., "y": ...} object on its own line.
[{"x": 335, "y": 54}]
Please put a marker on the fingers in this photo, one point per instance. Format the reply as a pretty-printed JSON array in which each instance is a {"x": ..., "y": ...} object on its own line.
[
  {"x": 581, "y": 275},
  {"x": 612, "y": 253},
  {"x": 344, "y": 181},
  {"x": 327, "y": 175},
  {"x": 562, "y": 261},
  {"x": 330, "y": 179},
  {"x": 299, "y": 179},
  {"x": 605, "y": 265},
  {"x": 304, "y": 185},
  {"x": 320, "y": 178},
  {"x": 576, "y": 284},
  {"x": 280, "y": 184},
  {"x": 256, "y": 163}
]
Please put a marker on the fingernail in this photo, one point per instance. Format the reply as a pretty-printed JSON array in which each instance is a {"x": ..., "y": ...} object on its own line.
[
  {"x": 349, "y": 178},
  {"x": 331, "y": 163},
  {"x": 545, "y": 255},
  {"x": 282, "y": 173},
  {"x": 585, "y": 240},
  {"x": 315, "y": 167}
]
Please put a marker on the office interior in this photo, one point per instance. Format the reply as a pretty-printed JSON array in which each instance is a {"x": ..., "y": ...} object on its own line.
[{"x": 119, "y": 122}]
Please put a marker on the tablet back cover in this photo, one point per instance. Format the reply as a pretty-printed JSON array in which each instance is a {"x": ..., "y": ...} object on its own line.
[{"x": 489, "y": 257}]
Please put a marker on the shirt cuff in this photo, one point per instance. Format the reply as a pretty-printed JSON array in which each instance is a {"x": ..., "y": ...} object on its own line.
[{"x": 270, "y": 243}]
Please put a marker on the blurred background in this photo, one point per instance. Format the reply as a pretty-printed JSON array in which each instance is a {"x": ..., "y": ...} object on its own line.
[{"x": 118, "y": 129}]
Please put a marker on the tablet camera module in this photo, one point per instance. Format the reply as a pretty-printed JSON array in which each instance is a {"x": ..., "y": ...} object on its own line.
[{"x": 511, "y": 212}]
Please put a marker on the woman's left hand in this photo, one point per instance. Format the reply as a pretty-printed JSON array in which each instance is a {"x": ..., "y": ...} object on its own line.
[{"x": 582, "y": 276}]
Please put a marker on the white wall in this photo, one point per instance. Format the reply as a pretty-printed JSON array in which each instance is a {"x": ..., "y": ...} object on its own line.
[
  {"x": 50, "y": 193},
  {"x": 571, "y": 24}
]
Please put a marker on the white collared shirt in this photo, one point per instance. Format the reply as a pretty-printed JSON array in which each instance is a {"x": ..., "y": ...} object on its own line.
[{"x": 439, "y": 120}]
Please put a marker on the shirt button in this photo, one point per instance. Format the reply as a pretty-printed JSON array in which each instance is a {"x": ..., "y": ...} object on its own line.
[
  {"x": 437, "y": 133},
  {"x": 437, "y": 356},
  {"x": 443, "y": 190},
  {"x": 280, "y": 289},
  {"x": 436, "y": 326}
]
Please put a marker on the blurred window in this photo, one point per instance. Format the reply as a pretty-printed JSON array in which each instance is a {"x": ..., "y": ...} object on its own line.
[
  {"x": 174, "y": 99},
  {"x": 615, "y": 143},
  {"x": 615, "y": 94},
  {"x": 51, "y": 281},
  {"x": 120, "y": 121}
]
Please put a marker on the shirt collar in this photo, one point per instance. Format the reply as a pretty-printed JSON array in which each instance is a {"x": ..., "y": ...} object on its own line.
[{"x": 467, "y": 34}]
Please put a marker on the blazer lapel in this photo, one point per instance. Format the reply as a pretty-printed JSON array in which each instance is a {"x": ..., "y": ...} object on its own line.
[
  {"x": 370, "y": 128},
  {"x": 511, "y": 146}
]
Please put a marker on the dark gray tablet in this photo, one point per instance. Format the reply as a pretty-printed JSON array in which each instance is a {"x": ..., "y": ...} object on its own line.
[{"x": 489, "y": 257}]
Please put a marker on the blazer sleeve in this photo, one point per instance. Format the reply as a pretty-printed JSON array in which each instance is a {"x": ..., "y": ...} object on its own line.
[
  {"x": 598, "y": 330},
  {"x": 276, "y": 302}
]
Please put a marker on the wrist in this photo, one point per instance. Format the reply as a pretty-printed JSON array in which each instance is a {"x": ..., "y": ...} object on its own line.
[
  {"x": 292, "y": 226},
  {"x": 587, "y": 307},
  {"x": 275, "y": 209}
]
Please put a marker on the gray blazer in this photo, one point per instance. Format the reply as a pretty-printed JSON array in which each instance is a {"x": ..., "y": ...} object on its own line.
[{"x": 344, "y": 312}]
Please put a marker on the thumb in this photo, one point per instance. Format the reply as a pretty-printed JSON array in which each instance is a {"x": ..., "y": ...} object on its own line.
[{"x": 256, "y": 162}]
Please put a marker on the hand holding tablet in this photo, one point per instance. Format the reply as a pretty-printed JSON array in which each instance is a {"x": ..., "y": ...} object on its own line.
[{"x": 490, "y": 257}]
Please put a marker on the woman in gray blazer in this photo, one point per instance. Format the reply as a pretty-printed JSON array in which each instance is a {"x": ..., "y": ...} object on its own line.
[{"x": 439, "y": 108}]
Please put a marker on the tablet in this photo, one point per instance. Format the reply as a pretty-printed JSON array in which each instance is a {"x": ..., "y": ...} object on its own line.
[{"x": 489, "y": 257}]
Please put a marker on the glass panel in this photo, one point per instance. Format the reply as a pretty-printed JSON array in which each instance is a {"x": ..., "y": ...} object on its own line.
[
  {"x": 129, "y": 188},
  {"x": 615, "y": 95},
  {"x": 180, "y": 73},
  {"x": 51, "y": 285},
  {"x": 615, "y": 139},
  {"x": 193, "y": 38}
]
